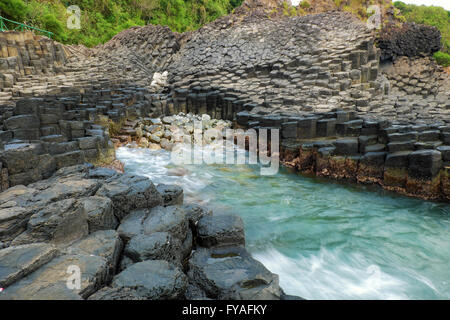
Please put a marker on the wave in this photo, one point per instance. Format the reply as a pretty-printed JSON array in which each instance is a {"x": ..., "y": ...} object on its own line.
[{"x": 328, "y": 275}]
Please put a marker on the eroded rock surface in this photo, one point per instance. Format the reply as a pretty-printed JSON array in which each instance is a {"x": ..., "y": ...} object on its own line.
[
  {"x": 54, "y": 230},
  {"x": 231, "y": 273}
]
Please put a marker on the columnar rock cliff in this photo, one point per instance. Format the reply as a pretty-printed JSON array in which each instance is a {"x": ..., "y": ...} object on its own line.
[
  {"x": 317, "y": 78},
  {"x": 253, "y": 64}
]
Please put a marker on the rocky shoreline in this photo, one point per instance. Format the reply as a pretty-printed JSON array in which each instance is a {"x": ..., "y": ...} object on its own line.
[
  {"x": 318, "y": 79},
  {"x": 134, "y": 240}
]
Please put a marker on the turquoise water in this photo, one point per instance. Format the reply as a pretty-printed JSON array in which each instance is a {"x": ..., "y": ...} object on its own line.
[{"x": 326, "y": 240}]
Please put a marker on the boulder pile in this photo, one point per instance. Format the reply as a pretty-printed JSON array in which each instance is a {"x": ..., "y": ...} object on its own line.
[{"x": 165, "y": 132}]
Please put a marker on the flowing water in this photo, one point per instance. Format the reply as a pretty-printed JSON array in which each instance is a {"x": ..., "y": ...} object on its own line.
[{"x": 326, "y": 240}]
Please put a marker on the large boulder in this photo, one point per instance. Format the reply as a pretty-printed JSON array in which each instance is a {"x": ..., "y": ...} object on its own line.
[
  {"x": 194, "y": 213},
  {"x": 172, "y": 195},
  {"x": 167, "y": 219},
  {"x": 50, "y": 282},
  {"x": 60, "y": 222},
  {"x": 142, "y": 224},
  {"x": 105, "y": 244},
  {"x": 153, "y": 279},
  {"x": 424, "y": 164},
  {"x": 60, "y": 188},
  {"x": 231, "y": 273},
  {"x": 346, "y": 147},
  {"x": 17, "y": 262},
  {"x": 220, "y": 230},
  {"x": 132, "y": 225},
  {"x": 157, "y": 246},
  {"x": 100, "y": 213},
  {"x": 130, "y": 192}
]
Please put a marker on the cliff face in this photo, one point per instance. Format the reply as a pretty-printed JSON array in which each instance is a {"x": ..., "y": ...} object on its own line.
[{"x": 249, "y": 61}]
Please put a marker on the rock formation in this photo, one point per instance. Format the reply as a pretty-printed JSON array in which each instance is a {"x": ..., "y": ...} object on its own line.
[
  {"x": 317, "y": 78},
  {"x": 127, "y": 238},
  {"x": 410, "y": 40}
]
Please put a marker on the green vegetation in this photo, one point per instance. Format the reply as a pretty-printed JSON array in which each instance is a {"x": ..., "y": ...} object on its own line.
[
  {"x": 102, "y": 19},
  {"x": 356, "y": 7},
  {"x": 13, "y": 9},
  {"x": 288, "y": 10},
  {"x": 433, "y": 16}
]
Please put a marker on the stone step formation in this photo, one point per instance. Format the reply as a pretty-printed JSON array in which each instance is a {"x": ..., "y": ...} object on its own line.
[{"x": 129, "y": 239}]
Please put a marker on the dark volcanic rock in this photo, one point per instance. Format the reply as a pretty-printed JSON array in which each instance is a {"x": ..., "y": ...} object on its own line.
[
  {"x": 167, "y": 219},
  {"x": 17, "y": 262},
  {"x": 346, "y": 147},
  {"x": 231, "y": 273},
  {"x": 131, "y": 225},
  {"x": 106, "y": 244},
  {"x": 157, "y": 246},
  {"x": 50, "y": 281},
  {"x": 100, "y": 213},
  {"x": 172, "y": 195},
  {"x": 61, "y": 222},
  {"x": 194, "y": 213},
  {"x": 410, "y": 40},
  {"x": 424, "y": 163}
]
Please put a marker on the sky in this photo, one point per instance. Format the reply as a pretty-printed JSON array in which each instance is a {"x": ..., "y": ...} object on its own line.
[{"x": 439, "y": 3}]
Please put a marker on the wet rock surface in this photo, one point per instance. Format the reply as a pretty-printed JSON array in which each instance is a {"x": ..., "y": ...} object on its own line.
[
  {"x": 220, "y": 230},
  {"x": 145, "y": 255}
]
